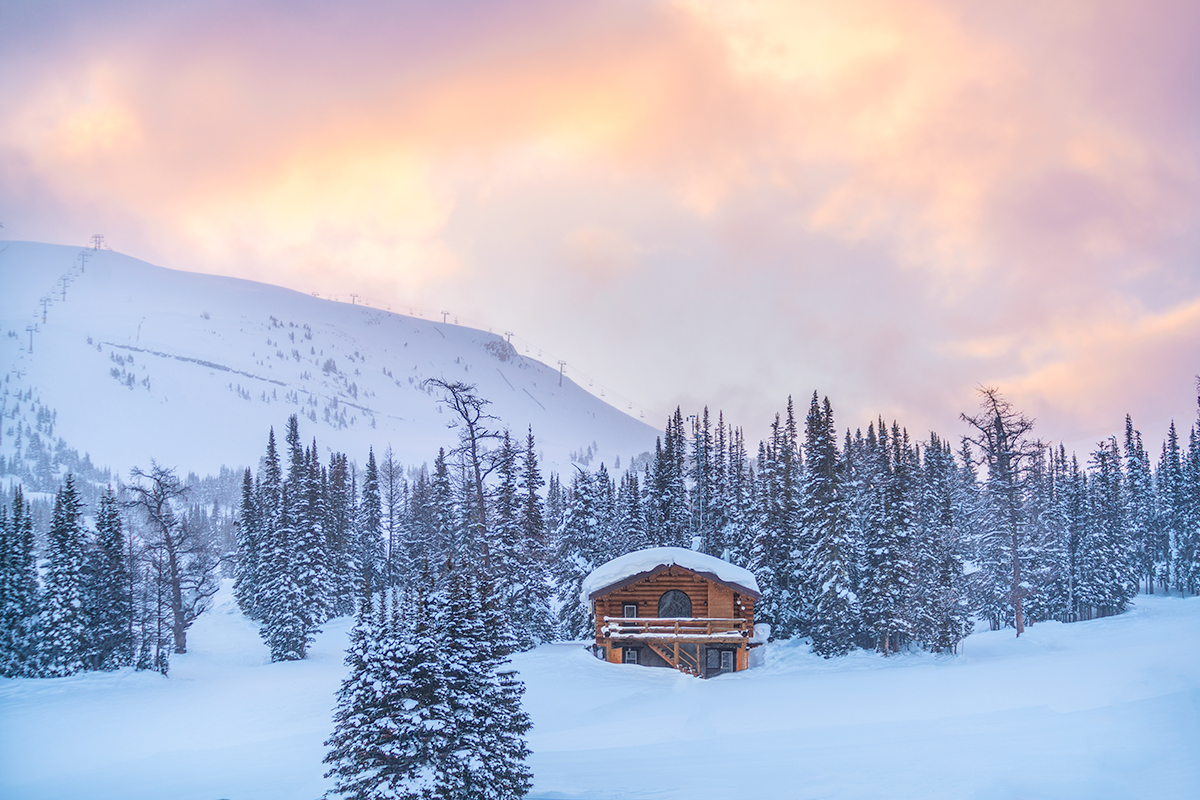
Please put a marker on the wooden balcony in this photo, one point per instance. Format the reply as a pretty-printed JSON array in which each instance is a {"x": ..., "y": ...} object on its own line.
[{"x": 659, "y": 629}]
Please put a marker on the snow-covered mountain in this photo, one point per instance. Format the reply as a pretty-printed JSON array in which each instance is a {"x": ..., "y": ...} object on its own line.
[{"x": 126, "y": 361}]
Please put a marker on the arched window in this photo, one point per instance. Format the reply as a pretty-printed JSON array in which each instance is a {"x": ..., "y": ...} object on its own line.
[{"x": 675, "y": 604}]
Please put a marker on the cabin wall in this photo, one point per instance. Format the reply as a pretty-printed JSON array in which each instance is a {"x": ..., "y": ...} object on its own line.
[{"x": 708, "y": 599}]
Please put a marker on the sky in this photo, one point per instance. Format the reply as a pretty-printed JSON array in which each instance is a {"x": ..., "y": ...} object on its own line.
[{"x": 690, "y": 203}]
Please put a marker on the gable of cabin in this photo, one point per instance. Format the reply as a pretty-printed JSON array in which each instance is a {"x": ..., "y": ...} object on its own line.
[{"x": 709, "y": 597}]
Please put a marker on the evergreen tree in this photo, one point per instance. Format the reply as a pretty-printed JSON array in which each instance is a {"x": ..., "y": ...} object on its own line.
[
  {"x": 888, "y": 574},
  {"x": 109, "y": 592},
  {"x": 369, "y": 530},
  {"x": 19, "y": 601},
  {"x": 1109, "y": 576},
  {"x": 1173, "y": 514},
  {"x": 249, "y": 546},
  {"x": 343, "y": 556},
  {"x": 64, "y": 624},
  {"x": 389, "y": 725},
  {"x": 1139, "y": 509},
  {"x": 533, "y": 606},
  {"x": 580, "y": 547},
  {"x": 833, "y": 605},
  {"x": 777, "y": 545},
  {"x": 941, "y": 613}
]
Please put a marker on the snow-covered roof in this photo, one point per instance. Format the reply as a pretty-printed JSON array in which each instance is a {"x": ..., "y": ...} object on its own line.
[{"x": 650, "y": 559}]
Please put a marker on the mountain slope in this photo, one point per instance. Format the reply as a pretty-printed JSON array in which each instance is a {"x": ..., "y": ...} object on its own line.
[{"x": 131, "y": 361}]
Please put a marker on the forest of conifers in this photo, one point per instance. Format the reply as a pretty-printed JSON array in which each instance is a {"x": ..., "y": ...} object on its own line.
[{"x": 858, "y": 539}]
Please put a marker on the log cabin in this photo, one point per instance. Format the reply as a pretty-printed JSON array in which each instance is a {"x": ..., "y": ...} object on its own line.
[{"x": 673, "y": 607}]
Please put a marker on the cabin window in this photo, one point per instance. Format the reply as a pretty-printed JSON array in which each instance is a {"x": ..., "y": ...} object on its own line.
[
  {"x": 630, "y": 610},
  {"x": 629, "y": 655},
  {"x": 727, "y": 661},
  {"x": 714, "y": 659},
  {"x": 675, "y": 603}
]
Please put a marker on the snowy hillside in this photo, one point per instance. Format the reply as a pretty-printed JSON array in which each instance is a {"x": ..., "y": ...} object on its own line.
[
  {"x": 131, "y": 361},
  {"x": 1102, "y": 709}
]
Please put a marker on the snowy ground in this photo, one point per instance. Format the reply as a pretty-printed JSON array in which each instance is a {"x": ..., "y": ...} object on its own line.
[{"x": 1102, "y": 709}]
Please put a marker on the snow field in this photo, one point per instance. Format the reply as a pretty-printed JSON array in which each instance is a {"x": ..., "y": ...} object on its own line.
[{"x": 1101, "y": 709}]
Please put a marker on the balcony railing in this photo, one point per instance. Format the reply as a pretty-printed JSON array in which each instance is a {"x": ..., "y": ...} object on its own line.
[{"x": 682, "y": 628}]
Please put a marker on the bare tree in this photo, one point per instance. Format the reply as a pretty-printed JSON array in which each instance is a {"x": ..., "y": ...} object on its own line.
[
  {"x": 392, "y": 492},
  {"x": 1002, "y": 436},
  {"x": 188, "y": 559},
  {"x": 472, "y": 435}
]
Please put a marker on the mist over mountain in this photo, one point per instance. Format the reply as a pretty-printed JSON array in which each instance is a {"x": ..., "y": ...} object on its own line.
[{"x": 123, "y": 362}]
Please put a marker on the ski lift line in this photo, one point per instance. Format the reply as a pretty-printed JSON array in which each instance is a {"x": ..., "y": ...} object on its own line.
[{"x": 546, "y": 357}]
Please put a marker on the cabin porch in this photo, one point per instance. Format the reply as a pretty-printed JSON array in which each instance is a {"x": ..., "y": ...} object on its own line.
[{"x": 700, "y": 646}]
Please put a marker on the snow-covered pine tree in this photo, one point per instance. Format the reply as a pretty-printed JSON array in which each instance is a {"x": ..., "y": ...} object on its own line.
[
  {"x": 311, "y": 557},
  {"x": 833, "y": 614},
  {"x": 342, "y": 556},
  {"x": 701, "y": 498},
  {"x": 1173, "y": 504},
  {"x": 108, "y": 592},
  {"x": 368, "y": 531},
  {"x": 486, "y": 725},
  {"x": 1139, "y": 506},
  {"x": 941, "y": 615},
  {"x": 447, "y": 533},
  {"x": 629, "y": 527},
  {"x": 1190, "y": 562},
  {"x": 19, "y": 601},
  {"x": 1042, "y": 537},
  {"x": 1109, "y": 575},
  {"x": 504, "y": 528},
  {"x": 500, "y": 747},
  {"x": 63, "y": 628},
  {"x": 249, "y": 545},
  {"x": 740, "y": 528},
  {"x": 579, "y": 548},
  {"x": 534, "y": 605},
  {"x": 777, "y": 545},
  {"x": 666, "y": 491},
  {"x": 719, "y": 503},
  {"x": 390, "y": 725},
  {"x": 888, "y": 577}
]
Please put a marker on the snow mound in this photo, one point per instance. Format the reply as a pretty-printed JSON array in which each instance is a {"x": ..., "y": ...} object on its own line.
[{"x": 640, "y": 561}]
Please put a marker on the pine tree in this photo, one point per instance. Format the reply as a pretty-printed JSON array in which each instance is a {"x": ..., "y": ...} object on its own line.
[
  {"x": 1109, "y": 574},
  {"x": 941, "y": 615},
  {"x": 1173, "y": 504},
  {"x": 888, "y": 579},
  {"x": 833, "y": 605},
  {"x": 777, "y": 544},
  {"x": 249, "y": 546},
  {"x": 343, "y": 558},
  {"x": 580, "y": 547},
  {"x": 64, "y": 624},
  {"x": 389, "y": 725},
  {"x": 369, "y": 530},
  {"x": 108, "y": 592},
  {"x": 1139, "y": 511},
  {"x": 19, "y": 601},
  {"x": 533, "y": 607}
]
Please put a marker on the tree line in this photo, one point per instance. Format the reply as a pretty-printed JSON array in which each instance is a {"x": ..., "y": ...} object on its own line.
[
  {"x": 106, "y": 595},
  {"x": 857, "y": 538}
]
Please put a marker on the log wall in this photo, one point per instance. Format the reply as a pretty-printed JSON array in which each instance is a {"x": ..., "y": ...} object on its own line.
[{"x": 708, "y": 599}]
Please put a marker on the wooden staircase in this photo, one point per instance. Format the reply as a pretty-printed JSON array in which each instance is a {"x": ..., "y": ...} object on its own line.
[{"x": 680, "y": 658}]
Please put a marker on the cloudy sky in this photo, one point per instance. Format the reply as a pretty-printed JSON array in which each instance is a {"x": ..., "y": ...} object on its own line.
[{"x": 689, "y": 202}]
